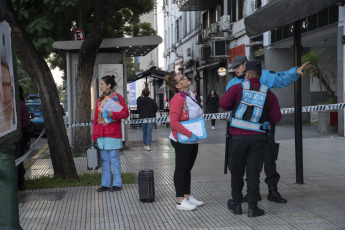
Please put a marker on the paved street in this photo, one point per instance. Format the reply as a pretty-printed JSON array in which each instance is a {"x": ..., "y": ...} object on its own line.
[{"x": 319, "y": 203}]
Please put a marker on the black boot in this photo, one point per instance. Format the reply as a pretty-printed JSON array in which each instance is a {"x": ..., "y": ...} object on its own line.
[
  {"x": 244, "y": 199},
  {"x": 254, "y": 212},
  {"x": 273, "y": 195},
  {"x": 235, "y": 209}
]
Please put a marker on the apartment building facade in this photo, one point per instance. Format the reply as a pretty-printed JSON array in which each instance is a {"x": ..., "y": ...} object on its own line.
[{"x": 202, "y": 36}]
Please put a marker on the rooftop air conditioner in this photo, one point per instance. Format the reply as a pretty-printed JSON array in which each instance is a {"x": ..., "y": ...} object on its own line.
[
  {"x": 218, "y": 48},
  {"x": 206, "y": 33},
  {"x": 166, "y": 53},
  {"x": 224, "y": 24},
  {"x": 172, "y": 47},
  {"x": 189, "y": 52},
  {"x": 205, "y": 53},
  {"x": 200, "y": 39},
  {"x": 213, "y": 28}
]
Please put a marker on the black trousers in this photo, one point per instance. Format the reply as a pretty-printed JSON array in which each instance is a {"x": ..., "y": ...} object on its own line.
[
  {"x": 271, "y": 155},
  {"x": 185, "y": 155},
  {"x": 246, "y": 154}
]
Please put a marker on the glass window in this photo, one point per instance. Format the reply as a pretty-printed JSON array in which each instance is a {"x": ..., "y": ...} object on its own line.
[
  {"x": 232, "y": 11},
  {"x": 333, "y": 14},
  {"x": 304, "y": 25},
  {"x": 287, "y": 31},
  {"x": 273, "y": 35},
  {"x": 258, "y": 4},
  {"x": 177, "y": 32},
  {"x": 240, "y": 9},
  {"x": 279, "y": 33},
  {"x": 312, "y": 22},
  {"x": 323, "y": 18},
  {"x": 34, "y": 108},
  {"x": 204, "y": 21},
  {"x": 213, "y": 15},
  {"x": 218, "y": 12}
]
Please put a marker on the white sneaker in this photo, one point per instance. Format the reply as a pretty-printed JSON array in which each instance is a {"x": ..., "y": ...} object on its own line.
[
  {"x": 148, "y": 148},
  {"x": 185, "y": 206},
  {"x": 145, "y": 147},
  {"x": 194, "y": 201},
  {"x": 213, "y": 127}
]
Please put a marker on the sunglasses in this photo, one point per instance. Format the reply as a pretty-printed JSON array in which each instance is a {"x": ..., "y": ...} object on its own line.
[{"x": 183, "y": 77}]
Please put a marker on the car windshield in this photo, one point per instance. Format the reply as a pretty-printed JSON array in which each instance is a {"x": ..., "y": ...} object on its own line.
[{"x": 34, "y": 108}]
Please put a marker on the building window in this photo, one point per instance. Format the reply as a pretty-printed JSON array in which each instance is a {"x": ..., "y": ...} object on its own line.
[
  {"x": 258, "y": 4},
  {"x": 312, "y": 22},
  {"x": 185, "y": 21},
  {"x": 235, "y": 7},
  {"x": 205, "y": 20},
  {"x": 177, "y": 30},
  {"x": 213, "y": 15}
]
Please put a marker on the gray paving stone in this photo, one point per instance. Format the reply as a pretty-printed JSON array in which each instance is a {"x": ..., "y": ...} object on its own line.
[{"x": 319, "y": 203}]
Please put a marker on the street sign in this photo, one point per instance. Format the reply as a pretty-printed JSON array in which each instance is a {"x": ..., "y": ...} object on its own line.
[{"x": 78, "y": 34}]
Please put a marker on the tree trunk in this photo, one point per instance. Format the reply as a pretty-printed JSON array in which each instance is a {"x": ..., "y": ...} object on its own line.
[
  {"x": 87, "y": 57},
  {"x": 39, "y": 72}
]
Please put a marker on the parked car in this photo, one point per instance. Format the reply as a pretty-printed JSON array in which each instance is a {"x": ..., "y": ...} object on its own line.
[{"x": 36, "y": 115}]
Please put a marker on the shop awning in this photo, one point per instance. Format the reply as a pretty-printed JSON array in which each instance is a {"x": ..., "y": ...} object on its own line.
[{"x": 281, "y": 12}]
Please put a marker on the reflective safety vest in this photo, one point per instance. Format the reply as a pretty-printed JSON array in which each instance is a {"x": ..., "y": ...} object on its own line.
[{"x": 251, "y": 112}]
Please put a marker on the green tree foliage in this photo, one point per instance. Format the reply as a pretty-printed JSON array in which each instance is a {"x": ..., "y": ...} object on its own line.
[
  {"x": 130, "y": 67},
  {"x": 108, "y": 14},
  {"x": 48, "y": 21},
  {"x": 32, "y": 53},
  {"x": 324, "y": 75},
  {"x": 25, "y": 81}
]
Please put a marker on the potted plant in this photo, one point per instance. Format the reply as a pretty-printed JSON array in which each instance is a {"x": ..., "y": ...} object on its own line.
[{"x": 326, "y": 119}]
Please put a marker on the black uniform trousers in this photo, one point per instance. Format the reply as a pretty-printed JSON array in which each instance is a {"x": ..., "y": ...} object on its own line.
[
  {"x": 246, "y": 154},
  {"x": 271, "y": 155},
  {"x": 185, "y": 156}
]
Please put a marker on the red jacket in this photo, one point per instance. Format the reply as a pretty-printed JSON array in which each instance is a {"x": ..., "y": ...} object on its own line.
[
  {"x": 113, "y": 129},
  {"x": 178, "y": 112}
]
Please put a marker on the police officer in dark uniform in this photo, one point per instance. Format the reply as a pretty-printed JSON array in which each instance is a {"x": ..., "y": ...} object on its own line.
[{"x": 253, "y": 107}]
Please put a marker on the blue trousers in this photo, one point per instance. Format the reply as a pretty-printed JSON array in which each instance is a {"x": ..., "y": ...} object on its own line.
[
  {"x": 147, "y": 132},
  {"x": 111, "y": 158}
]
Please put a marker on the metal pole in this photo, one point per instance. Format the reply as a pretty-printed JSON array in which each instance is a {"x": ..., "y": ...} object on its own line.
[
  {"x": 298, "y": 106},
  {"x": 124, "y": 61},
  {"x": 69, "y": 95}
]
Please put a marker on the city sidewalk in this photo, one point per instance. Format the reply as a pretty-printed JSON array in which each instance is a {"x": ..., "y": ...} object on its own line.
[{"x": 319, "y": 203}]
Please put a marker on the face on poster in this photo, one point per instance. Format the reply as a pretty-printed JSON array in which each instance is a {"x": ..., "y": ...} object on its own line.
[
  {"x": 112, "y": 69},
  {"x": 8, "y": 115}
]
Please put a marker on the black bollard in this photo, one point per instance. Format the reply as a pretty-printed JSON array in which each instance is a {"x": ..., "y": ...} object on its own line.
[{"x": 9, "y": 211}]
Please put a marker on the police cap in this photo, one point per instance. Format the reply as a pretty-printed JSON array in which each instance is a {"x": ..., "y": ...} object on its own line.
[
  {"x": 238, "y": 60},
  {"x": 253, "y": 65}
]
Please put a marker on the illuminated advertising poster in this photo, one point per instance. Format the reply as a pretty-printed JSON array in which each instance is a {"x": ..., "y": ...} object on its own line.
[
  {"x": 8, "y": 115},
  {"x": 132, "y": 95},
  {"x": 112, "y": 69}
]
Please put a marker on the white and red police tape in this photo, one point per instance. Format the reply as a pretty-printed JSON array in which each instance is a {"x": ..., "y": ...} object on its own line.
[
  {"x": 218, "y": 116},
  {"x": 206, "y": 117}
]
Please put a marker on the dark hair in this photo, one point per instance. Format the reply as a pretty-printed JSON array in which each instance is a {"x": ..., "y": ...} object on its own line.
[
  {"x": 146, "y": 92},
  {"x": 254, "y": 73},
  {"x": 171, "y": 82},
  {"x": 109, "y": 80},
  {"x": 215, "y": 94}
]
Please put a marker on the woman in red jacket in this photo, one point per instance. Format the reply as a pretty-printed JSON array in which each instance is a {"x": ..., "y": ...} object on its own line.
[
  {"x": 107, "y": 131},
  {"x": 183, "y": 106}
]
